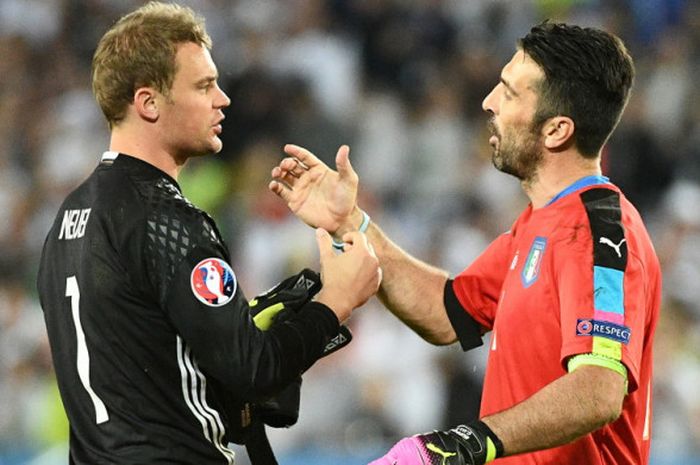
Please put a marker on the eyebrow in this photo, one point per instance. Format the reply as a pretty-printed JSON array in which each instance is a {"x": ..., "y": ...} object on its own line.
[
  {"x": 508, "y": 86},
  {"x": 207, "y": 80}
]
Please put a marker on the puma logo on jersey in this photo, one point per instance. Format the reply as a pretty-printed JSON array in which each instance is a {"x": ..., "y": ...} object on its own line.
[
  {"x": 616, "y": 247},
  {"x": 74, "y": 224}
]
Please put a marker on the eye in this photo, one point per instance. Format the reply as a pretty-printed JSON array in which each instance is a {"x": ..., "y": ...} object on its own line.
[{"x": 206, "y": 86}]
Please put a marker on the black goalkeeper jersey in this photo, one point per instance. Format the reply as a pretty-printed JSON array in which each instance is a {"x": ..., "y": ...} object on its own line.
[{"x": 152, "y": 340}]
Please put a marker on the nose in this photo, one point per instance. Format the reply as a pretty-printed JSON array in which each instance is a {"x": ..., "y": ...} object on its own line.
[
  {"x": 223, "y": 101},
  {"x": 488, "y": 104}
]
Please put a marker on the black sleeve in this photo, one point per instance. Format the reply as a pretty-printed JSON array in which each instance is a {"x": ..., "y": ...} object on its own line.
[
  {"x": 467, "y": 329},
  {"x": 228, "y": 345},
  {"x": 179, "y": 238}
]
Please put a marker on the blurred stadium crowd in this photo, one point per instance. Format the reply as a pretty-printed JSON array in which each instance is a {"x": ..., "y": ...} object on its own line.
[{"x": 401, "y": 81}]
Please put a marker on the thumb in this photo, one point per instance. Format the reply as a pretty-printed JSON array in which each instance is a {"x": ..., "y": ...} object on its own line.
[
  {"x": 342, "y": 162},
  {"x": 325, "y": 244}
]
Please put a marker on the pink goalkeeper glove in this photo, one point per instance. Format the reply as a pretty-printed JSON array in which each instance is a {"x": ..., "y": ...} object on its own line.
[{"x": 473, "y": 444}]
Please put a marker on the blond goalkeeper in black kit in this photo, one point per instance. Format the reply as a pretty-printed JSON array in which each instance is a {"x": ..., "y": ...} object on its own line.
[{"x": 157, "y": 353}]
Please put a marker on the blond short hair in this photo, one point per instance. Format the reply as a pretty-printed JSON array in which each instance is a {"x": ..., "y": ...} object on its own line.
[{"x": 139, "y": 51}]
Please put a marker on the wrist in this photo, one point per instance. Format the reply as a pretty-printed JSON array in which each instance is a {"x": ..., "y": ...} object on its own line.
[
  {"x": 358, "y": 221},
  {"x": 494, "y": 446},
  {"x": 351, "y": 223},
  {"x": 336, "y": 304}
]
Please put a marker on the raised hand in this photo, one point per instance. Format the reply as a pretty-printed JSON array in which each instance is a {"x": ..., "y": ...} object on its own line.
[{"x": 315, "y": 193}]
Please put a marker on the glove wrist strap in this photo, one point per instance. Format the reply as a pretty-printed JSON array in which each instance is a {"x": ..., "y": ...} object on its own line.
[{"x": 494, "y": 446}]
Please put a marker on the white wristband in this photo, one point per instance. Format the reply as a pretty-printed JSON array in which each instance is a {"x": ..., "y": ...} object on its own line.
[{"x": 363, "y": 228}]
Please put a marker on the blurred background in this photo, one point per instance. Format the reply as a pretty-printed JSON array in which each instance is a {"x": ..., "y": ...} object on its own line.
[{"x": 401, "y": 81}]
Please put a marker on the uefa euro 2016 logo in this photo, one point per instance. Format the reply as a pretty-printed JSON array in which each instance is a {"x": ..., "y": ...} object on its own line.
[{"x": 213, "y": 282}]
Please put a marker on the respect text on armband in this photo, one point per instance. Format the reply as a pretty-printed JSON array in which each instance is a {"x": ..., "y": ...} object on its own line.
[{"x": 590, "y": 327}]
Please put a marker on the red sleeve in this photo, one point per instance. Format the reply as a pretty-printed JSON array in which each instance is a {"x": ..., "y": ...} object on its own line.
[
  {"x": 601, "y": 288},
  {"x": 586, "y": 329},
  {"x": 478, "y": 288}
]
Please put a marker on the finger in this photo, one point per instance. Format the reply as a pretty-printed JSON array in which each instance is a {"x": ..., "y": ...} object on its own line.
[
  {"x": 325, "y": 244},
  {"x": 278, "y": 173},
  {"x": 293, "y": 165},
  {"x": 342, "y": 162},
  {"x": 280, "y": 190},
  {"x": 371, "y": 249},
  {"x": 307, "y": 158},
  {"x": 356, "y": 238},
  {"x": 287, "y": 178}
]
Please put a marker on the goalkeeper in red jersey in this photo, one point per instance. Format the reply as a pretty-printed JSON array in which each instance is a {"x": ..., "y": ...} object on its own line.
[{"x": 571, "y": 292}]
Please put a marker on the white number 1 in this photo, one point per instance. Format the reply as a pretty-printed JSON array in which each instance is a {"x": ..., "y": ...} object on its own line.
[{"x": 73, "y": 292}]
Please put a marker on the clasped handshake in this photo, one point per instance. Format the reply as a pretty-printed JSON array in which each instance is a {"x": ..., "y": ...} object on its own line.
[{"x": 327, "y": 200}]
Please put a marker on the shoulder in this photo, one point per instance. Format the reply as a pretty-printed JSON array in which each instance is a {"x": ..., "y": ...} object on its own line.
[
  {"x": 608, "y": 210},
  {"x": 173, "y": 219},
  {"x": 603, "y": 208},
  {"x": 174, "y": 231}
]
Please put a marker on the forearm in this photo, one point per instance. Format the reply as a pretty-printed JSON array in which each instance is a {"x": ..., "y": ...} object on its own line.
[
  {"x": 292, "y": 347},
  {"x": 412, "y": 290},
  {"x": 574, "y": 405}
]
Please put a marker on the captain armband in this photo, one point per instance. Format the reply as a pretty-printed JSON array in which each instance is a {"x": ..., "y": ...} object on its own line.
[
  {"x": 467, "y": 329},
  {"x": 598, "y": 360}
]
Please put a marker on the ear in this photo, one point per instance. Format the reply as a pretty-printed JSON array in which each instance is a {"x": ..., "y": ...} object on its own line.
[
  {"x": 558, "y": 132},
  {"x": 146, "y": 103}
]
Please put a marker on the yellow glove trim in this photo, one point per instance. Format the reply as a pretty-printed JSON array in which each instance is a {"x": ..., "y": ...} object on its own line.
[
  {"x": 265, "y": 318},
  {"x": 490, "y": 450}
]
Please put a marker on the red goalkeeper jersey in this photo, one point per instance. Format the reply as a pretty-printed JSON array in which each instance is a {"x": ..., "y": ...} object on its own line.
[{"x": 577, "y": 276}]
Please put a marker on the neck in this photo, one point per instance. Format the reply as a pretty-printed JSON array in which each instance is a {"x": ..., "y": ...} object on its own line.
[
  {"x": 556, "y": 175},
  {"x": 146, "y": 147}
]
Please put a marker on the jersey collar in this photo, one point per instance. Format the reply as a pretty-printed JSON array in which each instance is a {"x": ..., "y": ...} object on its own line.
[
  {"x": 580, "y": 184},
  {"x": 110, "y": 157}
]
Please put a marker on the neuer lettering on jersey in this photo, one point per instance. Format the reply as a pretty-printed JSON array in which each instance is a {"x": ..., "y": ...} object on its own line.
[
  {"x": 589, "y": 327},
  {"x": 74, "y": 224}
]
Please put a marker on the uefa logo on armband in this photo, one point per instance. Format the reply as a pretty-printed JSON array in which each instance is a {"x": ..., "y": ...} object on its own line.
[
  {"x": 213, "y": 282},
  {"x": 584, "y": 327}
]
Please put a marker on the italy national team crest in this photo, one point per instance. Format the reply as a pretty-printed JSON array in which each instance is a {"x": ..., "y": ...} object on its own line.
[
  {"x": 531, "y": 269},
  {"x": 213, "y": 282}
]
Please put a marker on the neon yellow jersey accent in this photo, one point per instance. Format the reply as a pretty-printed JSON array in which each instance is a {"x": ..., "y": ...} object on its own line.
[{"x": 607, "y": 348}]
